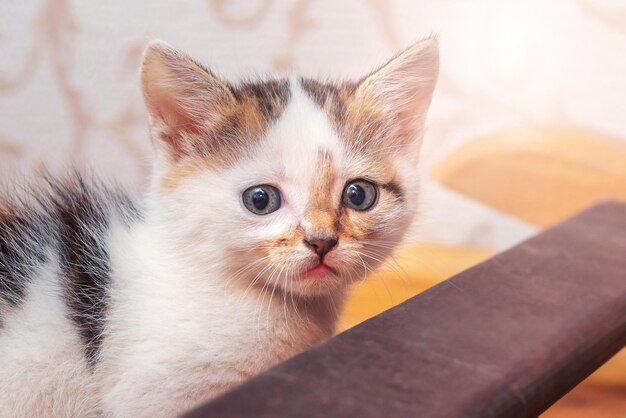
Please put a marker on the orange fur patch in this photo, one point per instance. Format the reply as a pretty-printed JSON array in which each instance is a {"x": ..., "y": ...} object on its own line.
[
  {"x": 322, "y": 212},
  {"x": 181, "y": 171},
  {"x": 325, "y": 177},
  {"x": 279, "y": 248}
]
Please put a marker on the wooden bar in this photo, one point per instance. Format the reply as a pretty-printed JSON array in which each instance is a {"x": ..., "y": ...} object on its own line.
[{"x": 506, "y": 338}]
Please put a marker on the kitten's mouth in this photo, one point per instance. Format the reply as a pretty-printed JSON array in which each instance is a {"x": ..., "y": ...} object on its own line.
[{"x": 321, "y": 270}]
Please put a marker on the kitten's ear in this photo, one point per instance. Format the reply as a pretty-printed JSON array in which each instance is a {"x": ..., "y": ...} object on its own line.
[
  {"x": 402, "y": 88},
  {"x": 184, "y": 100}
]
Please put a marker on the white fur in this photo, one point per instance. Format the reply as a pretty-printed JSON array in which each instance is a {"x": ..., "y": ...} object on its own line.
[{"x": 43, "y": 370}]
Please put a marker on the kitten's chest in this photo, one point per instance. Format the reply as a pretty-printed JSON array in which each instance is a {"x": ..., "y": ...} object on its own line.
[
  {"x": 251, "y": 333},
  {"x": 199, "y": 334},
  {"x": 223, "y": 331}
]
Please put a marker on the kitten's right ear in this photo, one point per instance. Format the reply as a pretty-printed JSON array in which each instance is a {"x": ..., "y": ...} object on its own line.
[
  {"x": 402, "y": 90},
  {"x": 184, "y": 100}
]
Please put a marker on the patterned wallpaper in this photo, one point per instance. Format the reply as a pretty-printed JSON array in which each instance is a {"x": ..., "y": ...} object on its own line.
[{"x": 69, "y": 82}]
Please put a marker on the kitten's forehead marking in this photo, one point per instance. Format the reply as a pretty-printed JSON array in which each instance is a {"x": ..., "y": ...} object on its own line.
[
  {"x": 298, "y": 136},
  {"x": 332, "y": 98},
  {"x": 324, "y": 179},
  {"x": 257, "y": 107},
  {"x": 356, "y": 118}
]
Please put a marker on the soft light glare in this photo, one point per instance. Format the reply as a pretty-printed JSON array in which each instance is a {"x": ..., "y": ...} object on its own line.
[{"x": 514, "y": 28}]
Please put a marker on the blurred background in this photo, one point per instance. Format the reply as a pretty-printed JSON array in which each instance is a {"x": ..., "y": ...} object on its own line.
[{"x": 527, "y": 126}]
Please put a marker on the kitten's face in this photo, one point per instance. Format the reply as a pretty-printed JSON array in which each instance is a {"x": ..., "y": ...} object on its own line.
[{"x": 291, "y": 184}]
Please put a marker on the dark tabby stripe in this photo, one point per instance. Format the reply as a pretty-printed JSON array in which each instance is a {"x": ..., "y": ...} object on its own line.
[
  {"x": 271, "y": 96},
  {"x": 23, "y": 240},
  {"x": 394, "y": 188},
  {"x": 68, "y": 218},
  {"x": 330, "y": 97},
  {"x": 83, "y": 219}
]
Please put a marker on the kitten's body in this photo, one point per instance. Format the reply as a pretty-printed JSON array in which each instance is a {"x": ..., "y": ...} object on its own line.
[
  {"x": 150, "y": 324},
  {"x": 110, "y": 307}
]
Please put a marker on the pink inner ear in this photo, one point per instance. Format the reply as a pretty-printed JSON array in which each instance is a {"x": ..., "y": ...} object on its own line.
[
  {"x": 173, "y": 122},
  {"x": 174, "y": 116},
  {"x": 174, "y": 125}
]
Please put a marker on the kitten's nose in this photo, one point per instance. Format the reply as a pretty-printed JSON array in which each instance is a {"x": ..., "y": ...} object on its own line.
[{"x": 321, "y": 246}]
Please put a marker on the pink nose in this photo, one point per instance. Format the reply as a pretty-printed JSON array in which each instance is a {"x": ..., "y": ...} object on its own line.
[{"x": 321, "y": 246}]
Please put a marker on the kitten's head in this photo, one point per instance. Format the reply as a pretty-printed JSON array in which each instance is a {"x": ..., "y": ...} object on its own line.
[{"x": 293, "y": 183}]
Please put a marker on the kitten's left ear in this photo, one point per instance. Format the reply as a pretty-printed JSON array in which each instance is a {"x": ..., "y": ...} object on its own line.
[
  {"x": 402, "y": 89},
  {"x": 185, "y": 100}
]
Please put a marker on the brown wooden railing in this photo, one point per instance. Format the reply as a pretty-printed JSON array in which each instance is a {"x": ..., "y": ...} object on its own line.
[{"x": 506, "y": 338}]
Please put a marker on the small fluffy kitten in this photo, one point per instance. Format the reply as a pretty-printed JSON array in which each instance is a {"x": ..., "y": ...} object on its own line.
[{"x": 268, "y": 199}]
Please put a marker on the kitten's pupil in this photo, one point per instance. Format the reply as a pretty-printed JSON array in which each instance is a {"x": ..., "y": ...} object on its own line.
[
  {"x": 355, "y": 194},
  {"x": 260, "y": 199}
]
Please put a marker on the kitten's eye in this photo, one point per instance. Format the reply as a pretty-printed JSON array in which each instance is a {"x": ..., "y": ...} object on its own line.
[
  {"x": 359, "y": 195},
  {"x": 261, "y": 200}
]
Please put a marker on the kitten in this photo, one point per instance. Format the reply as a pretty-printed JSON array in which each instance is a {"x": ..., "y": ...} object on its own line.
[{"x": 267, "y": 200}]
